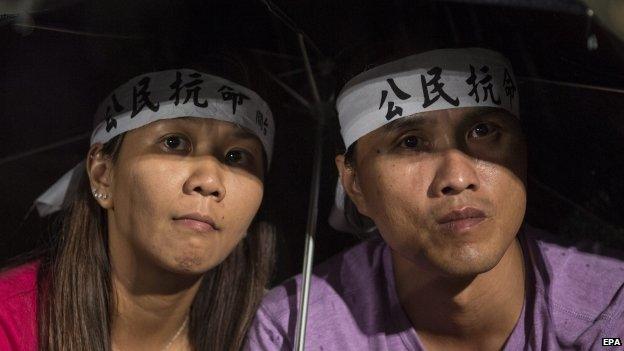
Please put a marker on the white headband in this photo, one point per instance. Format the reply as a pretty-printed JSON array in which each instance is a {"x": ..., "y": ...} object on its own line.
[
  {"x": 434, "y": 80},
  {"x": 164, "y": 95}
]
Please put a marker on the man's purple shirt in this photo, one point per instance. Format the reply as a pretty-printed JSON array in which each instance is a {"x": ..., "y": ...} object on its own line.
[{"x": 574, "y": 299}]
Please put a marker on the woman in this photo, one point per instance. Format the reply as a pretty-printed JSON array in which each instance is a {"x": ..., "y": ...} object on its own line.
[{"x": 159, "y": 248}]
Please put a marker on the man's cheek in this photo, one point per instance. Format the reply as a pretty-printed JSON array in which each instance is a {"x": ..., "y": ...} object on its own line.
[{"x": 487, "y": 171}]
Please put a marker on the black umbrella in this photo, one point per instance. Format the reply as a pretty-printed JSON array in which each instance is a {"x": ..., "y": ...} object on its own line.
[
  {"x": 59, "y": 61},
  {"x": 571, "y": 72},
  {"x": 571, "y": 75}
]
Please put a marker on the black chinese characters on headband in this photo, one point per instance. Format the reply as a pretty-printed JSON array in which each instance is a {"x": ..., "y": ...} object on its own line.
[
  {"x": 433, "y": 90},
  {"x": 188, "y": 87}
]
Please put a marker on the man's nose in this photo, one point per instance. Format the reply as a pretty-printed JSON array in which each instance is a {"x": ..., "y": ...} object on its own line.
[
  {"x": 455, "y": 173},
  {"x": 206, "y": 178}
]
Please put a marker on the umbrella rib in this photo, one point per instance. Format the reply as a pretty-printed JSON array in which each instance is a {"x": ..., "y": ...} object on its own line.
[
  {"x": 571, "y": 203},
  {"x": 77, "y": 32},
  {"x": 572, "y": 85},
  {"x": 290, "y": 73},
  {"x": 277, "y": 12},
  {"x": 45, "y": 148},
  {"x": 275, "y": 54},
  {"x": 308, "y": 69},
  {"x": 288, "y": 89}
]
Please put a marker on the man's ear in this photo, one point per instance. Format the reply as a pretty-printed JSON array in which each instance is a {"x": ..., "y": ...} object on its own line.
[
  {"x": 350, "y": 183},
  {"x": 99, "y": 169}
]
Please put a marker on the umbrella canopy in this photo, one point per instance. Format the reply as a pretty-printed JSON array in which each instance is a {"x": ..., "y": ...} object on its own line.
[
  {"x": 59, "y": 61},
  {"x": 59, "y": 65},
  {"x": 571, "y": 78},
  {"x": 570, "y": 72}
]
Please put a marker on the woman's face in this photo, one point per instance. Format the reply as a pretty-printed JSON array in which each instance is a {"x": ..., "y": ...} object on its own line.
[{"x": 184, "y": 192}]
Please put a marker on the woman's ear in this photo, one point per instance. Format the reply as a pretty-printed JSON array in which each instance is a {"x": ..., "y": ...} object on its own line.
[
  {"x": 349, "y": 181},
  {"x": 99, "y": 169}
]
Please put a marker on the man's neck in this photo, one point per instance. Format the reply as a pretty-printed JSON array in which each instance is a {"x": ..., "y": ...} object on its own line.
[{"x": 477, "y": 312}]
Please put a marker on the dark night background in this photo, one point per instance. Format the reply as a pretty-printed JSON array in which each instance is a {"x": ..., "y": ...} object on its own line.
[{"x": 51, "y": 82}]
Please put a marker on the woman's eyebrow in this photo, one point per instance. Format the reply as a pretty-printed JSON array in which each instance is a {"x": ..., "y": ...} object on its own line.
[
  {"x": 182, "y": 122},
  {"x": 243, "y": 134}
]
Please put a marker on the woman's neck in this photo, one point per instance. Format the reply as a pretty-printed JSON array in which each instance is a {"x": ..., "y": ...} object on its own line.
[{"x": 150, "y": 304}]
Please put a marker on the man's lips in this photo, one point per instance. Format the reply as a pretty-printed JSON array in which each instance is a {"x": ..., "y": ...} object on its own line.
[
  {"x": 196, "y": 221},
  {"x": 462, "y": 219}
]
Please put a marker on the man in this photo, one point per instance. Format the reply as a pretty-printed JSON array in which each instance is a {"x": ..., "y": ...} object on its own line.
[{"x": 436, "y": 158}]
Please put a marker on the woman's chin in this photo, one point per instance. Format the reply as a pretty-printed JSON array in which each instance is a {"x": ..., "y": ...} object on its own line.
[{"x": 193, "y": 265}]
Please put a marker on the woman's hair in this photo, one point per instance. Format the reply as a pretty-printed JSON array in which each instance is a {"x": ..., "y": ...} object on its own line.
[{"x": 75, "y": 290}]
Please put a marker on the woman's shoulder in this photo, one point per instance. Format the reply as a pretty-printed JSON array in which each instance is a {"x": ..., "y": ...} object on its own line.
[
  {"x": 18, "y": 283},
  {"x": 18, "y": 307}
]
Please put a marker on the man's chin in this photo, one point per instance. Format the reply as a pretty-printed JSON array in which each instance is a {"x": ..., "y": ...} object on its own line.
[
  {"x": 465, "y": 264},
  {"x": 463, "y": 271}
]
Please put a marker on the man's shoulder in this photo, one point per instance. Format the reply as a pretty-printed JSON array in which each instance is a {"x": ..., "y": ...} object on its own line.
[
  {"x": 583, "y": 280},
  {"x": 343, "y": 274},
  {"x": 584, "y": 262}
]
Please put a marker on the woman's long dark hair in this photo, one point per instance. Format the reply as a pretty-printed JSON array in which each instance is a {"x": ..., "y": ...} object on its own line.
[{"x": 75, "y": 291}]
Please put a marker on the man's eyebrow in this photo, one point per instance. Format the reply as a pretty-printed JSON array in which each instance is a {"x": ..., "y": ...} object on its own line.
[
  {"x": 482, "y": 111},
  {"x": 413, "y": 121},
  {"x": 417, "y": 120}
]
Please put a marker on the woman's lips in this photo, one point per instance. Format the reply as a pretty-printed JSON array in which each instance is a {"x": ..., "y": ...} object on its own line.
[{"x": 195, "y": 225}]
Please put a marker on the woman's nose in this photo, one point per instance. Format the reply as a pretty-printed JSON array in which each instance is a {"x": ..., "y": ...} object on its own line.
[{"x": 206, "y": 179}]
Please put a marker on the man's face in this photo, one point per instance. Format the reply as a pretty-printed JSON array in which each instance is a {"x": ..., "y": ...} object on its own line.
[{"x": 446, "y": 188}]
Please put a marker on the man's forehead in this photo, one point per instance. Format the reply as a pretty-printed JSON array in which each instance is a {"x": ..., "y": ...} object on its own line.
[{"x": 444, "y": 116}]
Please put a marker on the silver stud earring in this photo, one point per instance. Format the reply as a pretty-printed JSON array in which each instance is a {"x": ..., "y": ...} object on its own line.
[{"x": 99, "y": 195}]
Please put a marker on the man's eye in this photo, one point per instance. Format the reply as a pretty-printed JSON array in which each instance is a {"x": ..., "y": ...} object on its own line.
[
  {"x": 176, "y": 143},
  {"x": 236, "y": 156},
  {"x": 482, "y": 130},
  {"x": 411, "y": 142}
]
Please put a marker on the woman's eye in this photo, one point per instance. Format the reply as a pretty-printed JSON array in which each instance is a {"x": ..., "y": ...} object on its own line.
[
  {"x": 411, "y": 142},
  {"x": 176, "y": 142},
  {"x": 482, "y": 130}
]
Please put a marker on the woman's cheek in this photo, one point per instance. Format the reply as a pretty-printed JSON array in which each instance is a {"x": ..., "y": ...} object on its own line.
[
  {"x": 245, "y": 199},
  {"x": 152, "y": 198}
]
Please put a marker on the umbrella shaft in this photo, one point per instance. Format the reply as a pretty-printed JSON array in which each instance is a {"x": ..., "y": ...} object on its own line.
[{"x": 308, "y": 255}]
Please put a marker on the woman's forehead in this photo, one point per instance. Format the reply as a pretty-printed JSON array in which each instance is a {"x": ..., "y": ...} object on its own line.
[{"x": 199, "y": 125}]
